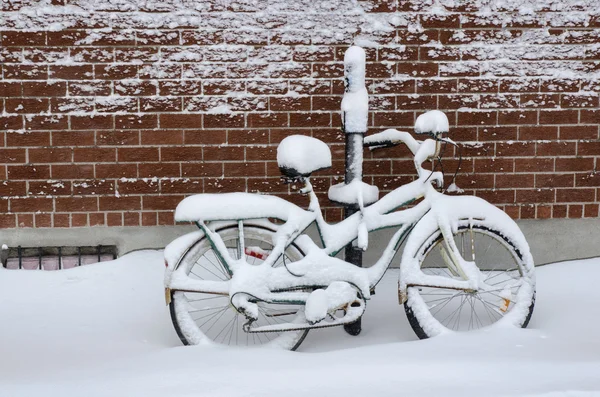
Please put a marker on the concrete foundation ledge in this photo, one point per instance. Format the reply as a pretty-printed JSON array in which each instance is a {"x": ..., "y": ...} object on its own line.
[{"x": 551, "y": 240}]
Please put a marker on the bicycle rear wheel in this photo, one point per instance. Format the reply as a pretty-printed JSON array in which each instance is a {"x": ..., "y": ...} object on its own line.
[
  {"x": 504, "y": 267},
  {"x": 203, "y": 317}
]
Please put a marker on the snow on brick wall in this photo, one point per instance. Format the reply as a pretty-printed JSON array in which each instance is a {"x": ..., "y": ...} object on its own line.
[{"x": 114, "y": 110}]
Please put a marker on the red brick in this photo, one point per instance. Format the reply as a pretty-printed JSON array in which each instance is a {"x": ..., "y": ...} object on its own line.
[
  {"x": 149, "y": 218},
  {"x": 94, "y": 155},
  {"x": 118, "y": 137},
  {"x": 575, "y": 211},
  {"x": 202, "y": 169},
  {"x": 559, "y": 116},
  {"x": 25, "y": 72},
  {"x": 393, "y": 119},
  {"x": 262, "y": 120},
  {"x": 60, "y": 220},
  {"x": 535, "y": 196},
  {"x": 75, "y": 204},
  {"x": 559, "y": 211},
  {"x": 517, "y": 117},
  {"x": 70, "y": 72},
  {"x": 11, "y": 122},
  {"x": 131, "y": 219},
  {"x": 303, "y": 103},
  {"x": 578, "y": 132},
  {"x": 180, "y": 120},
  {"x": 166, "y": 218},
  {"x": 114, "y": 219},
  {"x": 44, "y": 89},
  {"x": 20, "y": 38},
  {"x": 62, "y": 155},
  {"x": 575, "y": 195},
  {"x": 28, "y": 172},
  {"x": 115, "y": 72},
  {"x": 26, "y": 105},
  {"x": 588, "y": 148},
  {"x": 43, "y": 220},
  {"x": 25, "y": 220},
  {"x": 145, "y": 121},
  {"x": 534, "y": 165},
  {"x": 181, "y": 153},
  {"x": 116, "y": 170},
  {"x": 161, "y": 203},
  {"x": 51, "y": 187},
  {"x": 137, "y": 154},
  {"x": 122, "y": 203},
  {"x": 574, "y": 164},
  {"x": 8, "y": 89},
  {"x": 54, "y": 122},
  {"x": 73, "y": 138},
  {"x": 97, "y": 219},
  {"x": 142, "y": 186},
  {"x": 93, "y": 187},
  {"x": 12, "y": 188},
  {"x": 591, "y": 210},
  {"x": 223, "y": 153},
  {"x": 538, "y": 132},
  {"x": 30, "y": 204},
  {"x": 92, "y": 122},
  {"x": 7, "y": 220},
  {"x": 72, "y": 171}
]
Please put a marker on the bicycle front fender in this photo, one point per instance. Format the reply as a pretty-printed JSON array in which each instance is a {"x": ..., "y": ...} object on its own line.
[{"x": 447, "y": 214}]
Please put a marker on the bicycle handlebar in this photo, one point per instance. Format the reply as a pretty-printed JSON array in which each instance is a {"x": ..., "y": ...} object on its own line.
[{"x": 392, "y": 137}]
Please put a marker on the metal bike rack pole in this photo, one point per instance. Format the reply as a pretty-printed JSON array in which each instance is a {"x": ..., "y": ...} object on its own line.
[{"x": 355, "y": 113}]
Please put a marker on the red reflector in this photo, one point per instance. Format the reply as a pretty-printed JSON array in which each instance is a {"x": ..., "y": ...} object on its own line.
[
  {"x": 256, "y": 252},
  {"x": 166, "y": 263}
]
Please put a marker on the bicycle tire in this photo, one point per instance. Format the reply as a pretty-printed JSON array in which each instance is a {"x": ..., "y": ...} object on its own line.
[
  {"x": 191, "y": 332},
  {"x": 435, "y": 314}
]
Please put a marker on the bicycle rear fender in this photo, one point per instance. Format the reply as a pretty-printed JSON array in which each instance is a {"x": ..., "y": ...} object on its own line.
[{"x": 236, "y": 206}]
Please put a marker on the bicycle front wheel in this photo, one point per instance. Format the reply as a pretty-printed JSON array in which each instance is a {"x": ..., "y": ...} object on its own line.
[
  {"x": 205, "y": 317},
  {"x": 507, "y": 273}
]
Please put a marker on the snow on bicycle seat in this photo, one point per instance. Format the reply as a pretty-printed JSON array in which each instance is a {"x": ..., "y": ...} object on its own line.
[
  {"x": 300, "y": 156},
  {"x": 433, "y": 122}
]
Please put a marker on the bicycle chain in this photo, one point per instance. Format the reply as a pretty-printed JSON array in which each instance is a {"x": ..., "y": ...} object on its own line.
[{"x": 305, "y": 329}]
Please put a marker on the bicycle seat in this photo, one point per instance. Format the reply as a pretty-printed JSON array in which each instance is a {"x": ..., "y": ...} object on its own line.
[{"x": 300, "y": 156}]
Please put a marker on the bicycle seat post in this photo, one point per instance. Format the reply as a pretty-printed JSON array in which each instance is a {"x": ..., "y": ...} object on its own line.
[{"x": 355, "y": 112}]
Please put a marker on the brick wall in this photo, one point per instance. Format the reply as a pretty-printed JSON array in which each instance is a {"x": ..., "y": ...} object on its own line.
[{"x": 112, "y": 112}]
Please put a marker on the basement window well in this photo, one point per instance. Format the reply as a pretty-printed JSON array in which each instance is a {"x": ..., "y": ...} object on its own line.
[{"x": 55, "y": 258}]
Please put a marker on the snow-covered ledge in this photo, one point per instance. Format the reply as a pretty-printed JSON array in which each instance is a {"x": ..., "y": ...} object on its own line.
[{"x": 551, "y": 240}]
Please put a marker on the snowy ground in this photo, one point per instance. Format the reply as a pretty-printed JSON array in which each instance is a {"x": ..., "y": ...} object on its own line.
[{"x": 103, "y": 330}]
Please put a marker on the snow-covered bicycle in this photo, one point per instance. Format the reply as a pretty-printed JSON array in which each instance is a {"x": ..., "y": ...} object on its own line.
[{"x": 250, "y": 276}]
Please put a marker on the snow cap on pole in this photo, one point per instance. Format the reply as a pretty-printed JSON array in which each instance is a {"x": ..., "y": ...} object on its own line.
[
  {"x": 354, "y": 68},
  {"x": 355, "y": 104}
]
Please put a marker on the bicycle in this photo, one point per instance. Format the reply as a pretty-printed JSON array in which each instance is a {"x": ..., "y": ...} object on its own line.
[{"x": 245, "y": 280}]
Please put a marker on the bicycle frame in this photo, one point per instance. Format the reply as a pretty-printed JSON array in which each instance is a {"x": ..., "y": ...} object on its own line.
[{"x": 334, "y": 237}]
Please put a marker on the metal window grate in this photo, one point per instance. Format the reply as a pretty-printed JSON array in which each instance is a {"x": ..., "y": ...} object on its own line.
[{"x": 55, "y": 258}]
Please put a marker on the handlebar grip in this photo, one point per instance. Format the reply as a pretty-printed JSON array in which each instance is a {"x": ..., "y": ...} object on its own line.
[{"x": 379, "y": 145}]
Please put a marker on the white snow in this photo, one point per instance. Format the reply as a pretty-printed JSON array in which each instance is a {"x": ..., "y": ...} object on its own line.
[
  {"x": 356, "y": 192},
  {"x": 355, "y": 103},
  {"x": 453, "y": 188},
  {"x": 104, "y": 330},
  {"x": 304, "y": 154},
  {"x": 226, "y": 206},
  {"x": 433, "y": 121}
]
